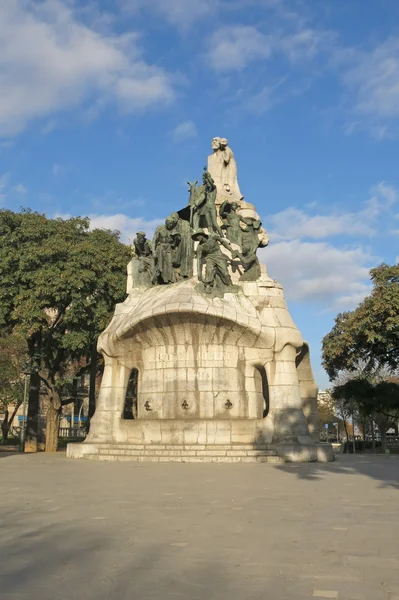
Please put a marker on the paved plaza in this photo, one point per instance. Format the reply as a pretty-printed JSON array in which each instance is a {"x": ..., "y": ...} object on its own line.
[{"x": 124, "y": 531}]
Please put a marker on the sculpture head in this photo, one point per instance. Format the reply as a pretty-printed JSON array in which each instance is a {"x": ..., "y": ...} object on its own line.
[
  {"x": 223, "y": 143},
  {"x": 171, "y": 221},
  {"x": 140, "y": 236},
  {"x": 207, "y": 179},
  {"x": 234, "y": 206},
  {"x": 215, "y": 144}
]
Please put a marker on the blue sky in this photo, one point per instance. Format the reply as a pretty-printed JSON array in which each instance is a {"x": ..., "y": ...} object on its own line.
[{"x": 108, "y": 107}]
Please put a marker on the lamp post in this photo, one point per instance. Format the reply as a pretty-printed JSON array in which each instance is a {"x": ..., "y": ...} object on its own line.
[
  {"x": 23, "y": 428},
  {"x": 80, "y": 415},
  {"x": 337, "y": 426}
]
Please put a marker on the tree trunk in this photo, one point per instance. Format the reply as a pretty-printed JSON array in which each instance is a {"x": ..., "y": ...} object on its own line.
[
  {"x": 8, "y": 421},
  {"x": 373, "y": 437},
  {"x": 33, "y": 414},
  {"x": 347, "y": 437},
  {"x": 53, "y": 417},
  {"x": 5, "y": 427},
  {"x": 383, "y": 440},
  {"x": 364, "y": 430}
]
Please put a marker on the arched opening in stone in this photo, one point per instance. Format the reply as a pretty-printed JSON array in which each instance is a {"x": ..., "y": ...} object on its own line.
[
  {"x": 130, "y": 405},
  {"x": 265, "y": 390}
]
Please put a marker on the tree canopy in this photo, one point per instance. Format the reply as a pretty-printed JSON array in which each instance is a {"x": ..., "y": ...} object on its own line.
[
  {"x": 13, "y": 355},
  {"x": 59, "y": 283},
  {"x": 367, "y": 338}
]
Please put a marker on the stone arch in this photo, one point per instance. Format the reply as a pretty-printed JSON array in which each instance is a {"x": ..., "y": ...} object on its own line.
[{"x": 130, "y": 405}]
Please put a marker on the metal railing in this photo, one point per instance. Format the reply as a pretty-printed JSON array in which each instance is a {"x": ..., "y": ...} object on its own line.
[{"x": 72, "y": 432}]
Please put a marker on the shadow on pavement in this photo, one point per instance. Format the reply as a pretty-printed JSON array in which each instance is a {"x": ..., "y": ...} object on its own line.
[
  {"x": 86, "y": 562},
  {"x": 382, "y": 468}
]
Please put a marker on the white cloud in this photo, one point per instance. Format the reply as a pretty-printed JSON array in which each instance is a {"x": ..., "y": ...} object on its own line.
[
  {"x": 20, "y": 188},
  {"x": 305, "y": 44},
  {"x": 50, "y": 61},
  {"x": 184, "y": 131},
  {"x": 184, "y": 13},
  {"x": 385, "y": 192},
  {"x": 383, "y": 198},
  {"x": 294, "y": 223},
  {"x": 127, "y": 226},
  {"x": 181, "y": 13},
  {"x": 318, "y": 272},
  {"x": 58, "y": 169},
  {"x": 7, "y": 144},
  {"x": 4, "y": 178},
  {"x": 234, "y": 47},
  {"x": 267, "y": 97},
  {"x": 374, "y": 78},
  {"x": 336, "y": 277},
  {"x": 49, "y": 127}
]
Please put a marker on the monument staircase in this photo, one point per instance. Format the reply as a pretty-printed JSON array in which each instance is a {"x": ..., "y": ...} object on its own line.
[{"x": 246, "y": 453}]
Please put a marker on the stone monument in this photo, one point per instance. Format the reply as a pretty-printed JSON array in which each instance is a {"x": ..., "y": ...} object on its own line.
[{"x": 203, "y": 361}]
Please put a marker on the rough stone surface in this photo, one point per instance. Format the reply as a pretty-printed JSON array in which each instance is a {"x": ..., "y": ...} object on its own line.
[{"x": 126, "y": 531}]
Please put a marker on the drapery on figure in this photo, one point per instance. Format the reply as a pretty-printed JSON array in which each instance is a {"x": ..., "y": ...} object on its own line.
[
  {"x": 183, "y": 251},
  {"x": 250, "y": 245},
  {"x": 223, "y": 168},
  {"x": 231, "y": 221},
  {"x": 142, "y": 251},
  {"x": 204, "y": 205},
  {"x": 165, "y": 243},
  {"x": 216, "y": 262}
]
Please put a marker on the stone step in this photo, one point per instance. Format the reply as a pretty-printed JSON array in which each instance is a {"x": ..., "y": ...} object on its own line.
[
  {"x": 184, "y": 452},
  {"x": 185, "y": 458},
  {"x": 188, "y": 447}
]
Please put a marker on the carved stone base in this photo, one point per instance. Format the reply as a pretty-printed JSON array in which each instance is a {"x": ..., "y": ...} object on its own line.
[{"x": 211, "y": 371}]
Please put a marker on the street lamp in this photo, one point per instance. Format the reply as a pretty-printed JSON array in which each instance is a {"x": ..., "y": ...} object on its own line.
[
  {"x": 23, "y": 428},
  {"x": 337, "y": 426}
]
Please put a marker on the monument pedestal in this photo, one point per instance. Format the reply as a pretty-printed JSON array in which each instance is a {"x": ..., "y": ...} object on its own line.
[
  {"x": 204, "y": 370},
  {"x": 219, "y": 378}
]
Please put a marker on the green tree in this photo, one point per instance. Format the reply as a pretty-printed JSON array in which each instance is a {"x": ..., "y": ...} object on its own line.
[
  {"x": 364, "y": 345},
  {"x": 367, "y": 338},
  {"x": 376, "y": 400},
  {"x": 330, "y": 412},
  {"x": 59, "y": 283},
  {"x": 13, "y": 355}
]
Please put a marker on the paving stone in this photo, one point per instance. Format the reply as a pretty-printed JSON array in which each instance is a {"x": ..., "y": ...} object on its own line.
[{"x": 91, "y": 530}]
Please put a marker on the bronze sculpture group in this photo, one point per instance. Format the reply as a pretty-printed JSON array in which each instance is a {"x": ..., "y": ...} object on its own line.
[{"x": 169, "y": 257}]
